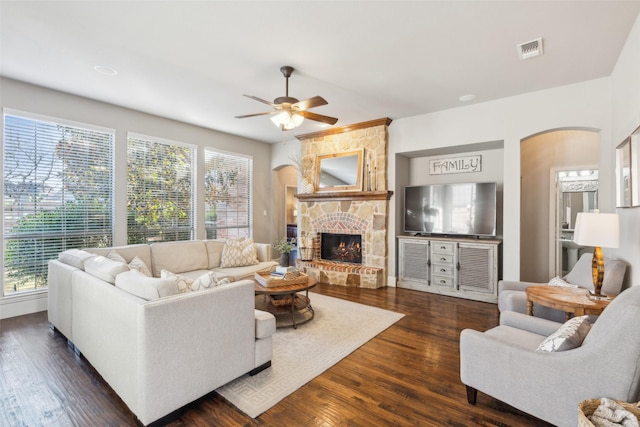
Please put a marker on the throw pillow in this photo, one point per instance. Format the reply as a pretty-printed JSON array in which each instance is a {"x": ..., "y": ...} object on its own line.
[
  {"x": 115, "y": 256},
  {"x": 559, "y": 281},
  {"x": 206, "y": 281},
  {"x": 183, "y": 283},
  {"x": 75, "y": 257},
  {"x": 238, "y": 253},
  {"x": 138, "y": 264},
  {"x": 570, "y": 335},
  {"x": 104, "y": 268},
  {"x": 148, "y": 288}
]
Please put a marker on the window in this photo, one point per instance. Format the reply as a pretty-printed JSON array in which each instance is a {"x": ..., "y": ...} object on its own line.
[
  {"x": 227, "y": 195},
  {"x": 57, "y": 181},
  {"x": 159, "y": 190}
]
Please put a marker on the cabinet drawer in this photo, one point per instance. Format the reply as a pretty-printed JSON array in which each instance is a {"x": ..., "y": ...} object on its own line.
[
  {"x": 442, "y": 281},
  {"x": 442, "y": 270},
  {"x": 442, "y": 259},
  {"x": 443, "y": 247}
]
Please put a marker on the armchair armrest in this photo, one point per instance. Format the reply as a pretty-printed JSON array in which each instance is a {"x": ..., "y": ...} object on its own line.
[{"x": 508, "y": 285}]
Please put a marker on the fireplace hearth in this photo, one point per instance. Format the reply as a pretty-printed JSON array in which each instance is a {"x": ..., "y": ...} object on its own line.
[{"x": 341, "y": 247}]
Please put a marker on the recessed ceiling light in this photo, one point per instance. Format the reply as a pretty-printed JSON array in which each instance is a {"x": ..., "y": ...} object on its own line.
[
  {"x": 107, "y": 71},
  {"x": 467, "y": 98}
]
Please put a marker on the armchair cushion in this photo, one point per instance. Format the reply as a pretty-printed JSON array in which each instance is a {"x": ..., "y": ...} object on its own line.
[{"x": 569, "y": 336}]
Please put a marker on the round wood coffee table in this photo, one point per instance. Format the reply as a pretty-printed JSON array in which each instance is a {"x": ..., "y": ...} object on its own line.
[
  {"x": 284, "y": 302},
  {"x": 573, "y": 301}
]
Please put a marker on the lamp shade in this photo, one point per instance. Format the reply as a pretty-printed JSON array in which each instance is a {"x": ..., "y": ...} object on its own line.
[{"x": 597, "y": 229}]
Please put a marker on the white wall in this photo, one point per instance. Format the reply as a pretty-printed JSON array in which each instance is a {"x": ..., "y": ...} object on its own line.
[
  {"x": 34, "y": 99},
  {"x": 583, "y": 105},
  {"x": 625, "y": 118}
]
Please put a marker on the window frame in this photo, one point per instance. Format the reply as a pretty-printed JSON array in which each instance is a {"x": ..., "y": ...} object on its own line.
[
  {"x": 249, "y": 194},
  {"x": 193, "y": 151},
  {"x": 110, "y": 206}
]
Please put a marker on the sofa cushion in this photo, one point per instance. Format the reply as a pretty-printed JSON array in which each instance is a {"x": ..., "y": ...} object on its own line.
[
  {"x": 245, "y": 272},
  {"x": 148, "y": 288},
  {"x": 569, "y": 336},
  {"x": 128, "y": 252},
  {"x": 214, "y": 250},
  {"x": 178, "y": 257},
  {"x": 75, "y": 257},
  {"x": 115, "y": 256},
  {"x": 104, "y": 268},
  {"x": 138, "y": 264},
  {"x": 238, "y": 253}
]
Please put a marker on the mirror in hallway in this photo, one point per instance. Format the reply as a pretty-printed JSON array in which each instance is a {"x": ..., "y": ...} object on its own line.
[{"x": 577, "y": 191}]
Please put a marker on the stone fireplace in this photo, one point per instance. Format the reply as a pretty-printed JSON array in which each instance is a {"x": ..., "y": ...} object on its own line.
[{"x": 356, "y": 219}]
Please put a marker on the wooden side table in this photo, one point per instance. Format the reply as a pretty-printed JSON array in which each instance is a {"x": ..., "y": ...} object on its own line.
[{"x": 573, "y": 301}]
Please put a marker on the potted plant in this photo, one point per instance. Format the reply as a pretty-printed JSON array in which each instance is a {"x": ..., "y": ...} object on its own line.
[{"x": 285, "y": 247}]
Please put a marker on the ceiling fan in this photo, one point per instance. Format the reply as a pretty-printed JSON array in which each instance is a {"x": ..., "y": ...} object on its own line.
[{"x": 288, "y": 113}]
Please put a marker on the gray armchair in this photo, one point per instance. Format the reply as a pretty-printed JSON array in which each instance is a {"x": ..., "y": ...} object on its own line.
[
  {"x": 503, "y": 362},
  {"x": 512, "y": 296}
]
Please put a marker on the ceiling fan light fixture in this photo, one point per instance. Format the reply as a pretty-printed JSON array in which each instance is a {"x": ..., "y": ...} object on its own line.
[{"x": 287, "y": 120}]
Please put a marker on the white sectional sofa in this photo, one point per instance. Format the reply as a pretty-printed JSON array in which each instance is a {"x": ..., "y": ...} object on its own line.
[{"x": 157, "y": 348}]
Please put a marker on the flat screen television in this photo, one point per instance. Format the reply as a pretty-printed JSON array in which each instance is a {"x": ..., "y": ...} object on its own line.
[{"x": 466, "y": 209}]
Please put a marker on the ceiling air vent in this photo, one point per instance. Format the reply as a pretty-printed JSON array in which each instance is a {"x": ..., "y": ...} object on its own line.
[{"x": 530, "y": 49}]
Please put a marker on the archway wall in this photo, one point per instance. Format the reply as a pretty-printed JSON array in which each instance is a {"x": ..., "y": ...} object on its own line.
[{"x": 539, "y": 154}]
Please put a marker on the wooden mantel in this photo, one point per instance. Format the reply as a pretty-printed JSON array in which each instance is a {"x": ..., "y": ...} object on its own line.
[
  {"x": 334, "y": 131},
  {"x": 344, "y": 196}
]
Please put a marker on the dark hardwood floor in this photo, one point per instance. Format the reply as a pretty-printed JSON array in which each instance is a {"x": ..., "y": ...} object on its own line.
[{"x": 406, "y": 376}]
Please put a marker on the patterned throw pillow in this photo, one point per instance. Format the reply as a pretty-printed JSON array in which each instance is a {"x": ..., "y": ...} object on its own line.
[
  {"x": 238, "y": 253},
  {"x": 206, "y": 281},
  {"x": 570, "y": 335},
  {"x": 184, "y": 283},
  {"x": 138, "y": 264},
  {"x": 559, "y": 281}
]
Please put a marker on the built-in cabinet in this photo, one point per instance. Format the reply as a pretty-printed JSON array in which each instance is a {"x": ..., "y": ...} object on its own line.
[{"x": 465, "y": 268}]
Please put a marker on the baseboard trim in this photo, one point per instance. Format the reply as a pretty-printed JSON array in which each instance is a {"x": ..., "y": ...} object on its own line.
[{"x": 19, "y": 305}]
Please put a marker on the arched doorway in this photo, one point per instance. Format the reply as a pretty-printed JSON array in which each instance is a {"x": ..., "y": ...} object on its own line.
[{"x": 284, "y": 205}]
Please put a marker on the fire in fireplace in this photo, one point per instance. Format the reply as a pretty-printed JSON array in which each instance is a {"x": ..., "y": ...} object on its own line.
[{"x": 341, "y": 247}]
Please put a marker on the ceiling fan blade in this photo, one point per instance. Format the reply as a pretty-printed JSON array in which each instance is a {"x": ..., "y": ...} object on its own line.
[
  {"x": 305, "y": 104},
  {"x": 255, "y": 98},
  {"x": 256, "y": 114},
  {"x": 317, "y": 117}
]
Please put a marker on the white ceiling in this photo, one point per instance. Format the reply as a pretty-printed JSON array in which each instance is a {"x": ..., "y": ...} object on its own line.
[{"x": 193, "y": 61}]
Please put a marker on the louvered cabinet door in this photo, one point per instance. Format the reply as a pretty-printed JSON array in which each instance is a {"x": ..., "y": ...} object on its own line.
[
  {"x": 478, "y": 269},
  {"x": 414, "y": 260}
]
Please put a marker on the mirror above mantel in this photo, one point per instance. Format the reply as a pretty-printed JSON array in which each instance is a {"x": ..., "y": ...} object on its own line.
[{"x": 339, "y": 171}]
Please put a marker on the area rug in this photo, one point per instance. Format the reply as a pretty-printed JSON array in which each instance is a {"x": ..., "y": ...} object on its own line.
[{"x": 299, "y": 355}]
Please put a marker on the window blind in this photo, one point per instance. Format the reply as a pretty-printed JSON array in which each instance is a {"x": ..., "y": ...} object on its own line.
[
  {"x": 227, "y": 195},
  {"x": 57, "y": 181},
  {"x": 159, "y": 190}
]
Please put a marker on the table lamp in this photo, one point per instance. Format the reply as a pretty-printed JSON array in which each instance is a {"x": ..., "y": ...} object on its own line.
[{"x": 597, "y": 230}]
